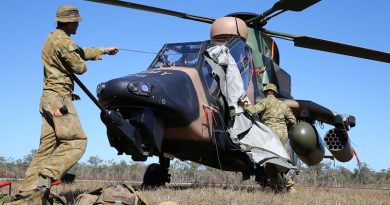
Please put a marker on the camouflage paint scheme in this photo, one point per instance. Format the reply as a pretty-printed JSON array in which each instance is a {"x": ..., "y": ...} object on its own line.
[{"x": 199, "y": 129}]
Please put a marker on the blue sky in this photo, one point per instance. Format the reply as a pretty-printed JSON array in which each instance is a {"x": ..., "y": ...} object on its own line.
[{"x": 344, "y": 84}]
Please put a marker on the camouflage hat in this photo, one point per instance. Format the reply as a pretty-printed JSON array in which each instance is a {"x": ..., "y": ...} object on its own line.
[
  {"x": 270, "y": 86},
  {"x": 68, "y": 13}
]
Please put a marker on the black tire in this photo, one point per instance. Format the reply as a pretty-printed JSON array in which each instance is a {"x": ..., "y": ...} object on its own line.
[
  {"x": 68, "y": 178},
  {"x": 274, "y": 180},
  {"x": 278, "y": 185},
  {"x": 153, "y": 177}
]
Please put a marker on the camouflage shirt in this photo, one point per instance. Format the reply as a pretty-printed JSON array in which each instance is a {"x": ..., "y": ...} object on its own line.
[
  {"x": 60, "y": 57},
  {"x": 273, "y": 113}
]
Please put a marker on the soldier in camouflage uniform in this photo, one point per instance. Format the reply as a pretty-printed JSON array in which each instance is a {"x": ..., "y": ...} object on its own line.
[
  {"x": 277, "y": 116},
  {"x": 274, "y": 113},
  {"x": 62, "y": 141}
]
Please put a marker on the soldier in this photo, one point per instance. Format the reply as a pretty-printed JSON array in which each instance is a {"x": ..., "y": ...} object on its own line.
[
  {"x": 277, "y": 116},
  {"x": 274, "y": 113},
  {"x": 62, "y": 141}
]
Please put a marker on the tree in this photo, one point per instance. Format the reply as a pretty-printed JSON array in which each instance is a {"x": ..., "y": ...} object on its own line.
[
  {"x": 363, "y": 174},
  {"x": 96, "y": 162},
  {"x": 28, "y": 158}
]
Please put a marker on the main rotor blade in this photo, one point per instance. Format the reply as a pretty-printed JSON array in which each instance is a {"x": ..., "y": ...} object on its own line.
[
  {"x": 295, "y": 5},
  {"x": 283, "y": 5},
  {"x": 155, "y": 10},
  {"x": 333, "y": 47}
]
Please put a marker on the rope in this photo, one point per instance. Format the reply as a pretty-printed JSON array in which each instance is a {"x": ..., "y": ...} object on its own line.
[
  {"x": 147, "y": 52},
  {"x": 136, "y": 51}
]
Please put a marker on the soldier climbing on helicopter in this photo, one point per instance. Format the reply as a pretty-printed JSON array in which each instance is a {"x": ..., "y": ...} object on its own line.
[{"x": 276, "y": 115}]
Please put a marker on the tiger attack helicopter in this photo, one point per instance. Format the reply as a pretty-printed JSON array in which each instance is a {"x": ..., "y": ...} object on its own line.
[{"x": 175, "y": 108}]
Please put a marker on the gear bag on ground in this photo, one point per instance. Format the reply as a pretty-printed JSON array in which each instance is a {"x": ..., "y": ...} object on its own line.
[{"x": 118, "y": 194}]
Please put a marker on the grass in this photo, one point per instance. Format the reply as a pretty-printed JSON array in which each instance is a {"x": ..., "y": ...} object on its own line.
[
  {"x": 242, "y": 196},
  {"x": 304, "y": 195}
]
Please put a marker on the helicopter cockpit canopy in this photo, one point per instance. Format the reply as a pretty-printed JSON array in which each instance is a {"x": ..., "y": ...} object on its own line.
[
  {"x": 190, "y": 55},
  {"x": 178, "y": 54}
]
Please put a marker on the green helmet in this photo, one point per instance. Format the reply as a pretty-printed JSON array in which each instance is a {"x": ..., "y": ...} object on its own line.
[
  {"x": 68, "y": 13},
  {"x": 270, "y": 86}
]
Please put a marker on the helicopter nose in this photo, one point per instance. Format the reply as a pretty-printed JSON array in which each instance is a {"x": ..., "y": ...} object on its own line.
[{"x": 171, "y": 94}]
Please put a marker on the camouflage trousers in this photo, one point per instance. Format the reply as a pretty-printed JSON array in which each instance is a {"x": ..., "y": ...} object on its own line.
[
  {"x": 62, "y": 141},
  {"x": 283, "y": 136}
]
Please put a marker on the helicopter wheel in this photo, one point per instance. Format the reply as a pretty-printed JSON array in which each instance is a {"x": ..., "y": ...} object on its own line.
[
  {"x": 271, "y": 178},
  {"x": 68, "y": 178},
  {"x": 153, "y": 177},
  {"x": 157, "y": 175},
  {"x": 278, "y": 183},
  {"x": 261, "y": 178}
]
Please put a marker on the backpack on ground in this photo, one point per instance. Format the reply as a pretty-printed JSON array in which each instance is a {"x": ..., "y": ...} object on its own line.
[{"x": 118, "y": 194}]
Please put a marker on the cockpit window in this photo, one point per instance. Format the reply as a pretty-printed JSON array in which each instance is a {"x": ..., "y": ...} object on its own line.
[
  {"x": 243, "y": 57},
  {"x": 178, "y": 54}
]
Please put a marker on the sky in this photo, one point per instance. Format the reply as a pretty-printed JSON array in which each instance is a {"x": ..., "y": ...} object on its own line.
[{"x": 344, "y": 84}]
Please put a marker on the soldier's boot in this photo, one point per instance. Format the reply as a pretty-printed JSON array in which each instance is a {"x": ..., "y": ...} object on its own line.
[
  {"x": 44, "y": 181},
  {"x": 290, "y": 184},
  {"x": 33, "y": 197},
  {"x": 38, "y": 194}
]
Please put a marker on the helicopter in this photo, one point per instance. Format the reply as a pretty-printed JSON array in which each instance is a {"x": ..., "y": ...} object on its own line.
[{"x": 175, "y": 109}]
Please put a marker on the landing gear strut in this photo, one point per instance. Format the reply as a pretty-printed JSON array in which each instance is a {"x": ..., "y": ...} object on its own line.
[
  {"x": 157, "y": 175},
  {"x": 270, "y": 177}
]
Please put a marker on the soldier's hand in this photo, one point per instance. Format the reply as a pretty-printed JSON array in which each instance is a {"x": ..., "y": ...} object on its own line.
[
  {"x": 110, "y": 50},
  {"x": 249, "y": 109},
  {"x": 57, "y": 112},
  {"x": 243, "y": 102}
]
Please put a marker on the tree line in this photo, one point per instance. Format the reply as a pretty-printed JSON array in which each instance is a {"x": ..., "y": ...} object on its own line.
[{"x": 323, "y": 174}]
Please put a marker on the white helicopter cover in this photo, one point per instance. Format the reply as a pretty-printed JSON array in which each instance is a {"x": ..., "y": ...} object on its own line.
[{"x": 260, "y": 143}]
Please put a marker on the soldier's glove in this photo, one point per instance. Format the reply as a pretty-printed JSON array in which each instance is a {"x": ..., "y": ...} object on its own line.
[
  {"x": 249, "y": 109},
  {"x": 110, "y": 50},
  {"x": 245, "y": 103}
]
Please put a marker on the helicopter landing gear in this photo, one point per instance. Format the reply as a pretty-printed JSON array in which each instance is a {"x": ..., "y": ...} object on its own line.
[
  {"x": 269, "y": 177},
  {"x": 70, "y": 176},
  {"x": 157, "y": 175}
]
